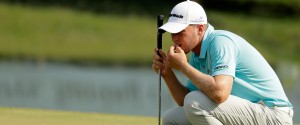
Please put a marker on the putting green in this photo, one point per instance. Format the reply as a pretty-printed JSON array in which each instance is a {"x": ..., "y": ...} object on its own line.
[{"x": 20, "y": 116}]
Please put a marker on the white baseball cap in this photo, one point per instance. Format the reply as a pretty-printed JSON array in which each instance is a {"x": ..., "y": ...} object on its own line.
[{"x": 184, "y": 14}]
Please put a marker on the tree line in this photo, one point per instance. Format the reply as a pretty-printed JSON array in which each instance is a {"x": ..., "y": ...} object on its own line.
[{"x": 256, "y": 7}]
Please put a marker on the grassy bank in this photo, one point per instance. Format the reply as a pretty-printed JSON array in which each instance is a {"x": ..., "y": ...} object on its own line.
[
  {"x": 60, "y": 34},
  {"x": 16, "y": 116}
]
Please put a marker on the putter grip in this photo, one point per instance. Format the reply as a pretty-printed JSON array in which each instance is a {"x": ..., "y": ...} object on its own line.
[{"x": 160, "y": 20}]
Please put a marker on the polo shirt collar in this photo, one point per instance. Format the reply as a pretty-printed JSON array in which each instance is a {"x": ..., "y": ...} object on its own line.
[{"x": 206, "y": 40}]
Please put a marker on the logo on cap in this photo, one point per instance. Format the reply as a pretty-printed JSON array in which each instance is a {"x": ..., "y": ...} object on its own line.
[
  {"x": 175, "y": 15},
  {"x": 198, "y": 20}
]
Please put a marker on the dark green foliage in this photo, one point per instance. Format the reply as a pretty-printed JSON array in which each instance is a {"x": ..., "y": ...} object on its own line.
[{"x": 254, "y": 7}]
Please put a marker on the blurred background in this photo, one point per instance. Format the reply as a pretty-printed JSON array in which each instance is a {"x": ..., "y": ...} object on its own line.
[{"x": 96, "y": 56}]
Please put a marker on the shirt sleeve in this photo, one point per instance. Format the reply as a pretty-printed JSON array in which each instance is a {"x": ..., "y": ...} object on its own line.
[{"x": 223, "y": 53}]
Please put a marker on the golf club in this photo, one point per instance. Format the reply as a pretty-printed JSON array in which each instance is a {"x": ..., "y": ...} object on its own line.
[{"x": 160, "y": 19}]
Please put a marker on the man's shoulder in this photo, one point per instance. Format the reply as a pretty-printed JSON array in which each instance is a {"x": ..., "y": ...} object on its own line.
[
  {"x": 224, "y": 37},
  {"x": 224, "y": 34}
]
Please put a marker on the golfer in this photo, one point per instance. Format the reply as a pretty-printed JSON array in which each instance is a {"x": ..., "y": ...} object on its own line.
[{"x": 229, "y": 81}]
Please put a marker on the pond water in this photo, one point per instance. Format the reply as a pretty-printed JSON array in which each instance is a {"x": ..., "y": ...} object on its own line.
[{"x": 132, "y": 91}]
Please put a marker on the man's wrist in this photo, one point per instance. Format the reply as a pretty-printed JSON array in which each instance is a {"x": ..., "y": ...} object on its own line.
[
  {"x": 185, "y": 69},
  {"x": 168, "y": 73}
]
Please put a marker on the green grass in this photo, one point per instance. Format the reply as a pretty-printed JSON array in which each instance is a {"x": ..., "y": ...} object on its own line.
[
  {"x": 54, "y": 33},
  {"x": 21, "y": 116},
  {"x": 17, "y": 116}
]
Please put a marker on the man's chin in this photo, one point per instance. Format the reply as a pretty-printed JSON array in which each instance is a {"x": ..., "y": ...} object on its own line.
[{"x": 187, "y": 52}]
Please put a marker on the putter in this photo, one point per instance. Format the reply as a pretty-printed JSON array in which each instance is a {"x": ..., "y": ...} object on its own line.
[{"x": 160, "y": 20}]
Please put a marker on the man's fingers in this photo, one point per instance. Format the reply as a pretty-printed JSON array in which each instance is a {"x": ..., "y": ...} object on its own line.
[
  {"x": 171, "y": 50},
  {"x": 157, "y": 65},
  {"x": 156, "y": 50},
  {"x": 162, "y": 54},
  {"x": 157, "y": 62},
  {"x": 155, "y": 68},
  {"x": 157, "y": 57},
  {"x": 178, "y": 49}
]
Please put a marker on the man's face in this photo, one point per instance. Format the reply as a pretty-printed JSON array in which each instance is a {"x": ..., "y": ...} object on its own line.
[{"x": 187, "y": 39}]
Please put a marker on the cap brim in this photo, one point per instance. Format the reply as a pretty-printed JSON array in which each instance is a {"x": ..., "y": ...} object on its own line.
[{"x": 173, "y": 27}]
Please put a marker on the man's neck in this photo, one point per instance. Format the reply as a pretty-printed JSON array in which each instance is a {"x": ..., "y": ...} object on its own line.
[{"x": 197, "y": 49}]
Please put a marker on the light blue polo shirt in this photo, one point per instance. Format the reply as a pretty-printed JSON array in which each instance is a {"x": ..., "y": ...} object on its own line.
[{"x": 225, "y": 53}]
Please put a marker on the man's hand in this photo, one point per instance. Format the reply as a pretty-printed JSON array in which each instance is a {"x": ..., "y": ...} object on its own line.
[
  {"x": 178, "y": 91},
  {"x": 161, "y": 63},
  {"x": 176, "y": 58}
]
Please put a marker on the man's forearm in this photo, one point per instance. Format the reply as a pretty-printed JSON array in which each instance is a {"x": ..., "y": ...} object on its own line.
[
  {"x": 204, "y": 82},
  {"x": 177, "y": 90}
]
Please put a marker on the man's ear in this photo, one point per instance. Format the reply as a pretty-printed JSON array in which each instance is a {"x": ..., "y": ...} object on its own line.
[{"x": 200, "y": 29}]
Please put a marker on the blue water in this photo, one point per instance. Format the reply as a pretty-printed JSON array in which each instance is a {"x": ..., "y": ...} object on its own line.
[{"x": 117, "y": 90}]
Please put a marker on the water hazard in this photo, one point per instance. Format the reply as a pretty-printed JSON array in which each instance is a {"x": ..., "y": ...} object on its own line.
[{"x": 131, "y": 91}]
